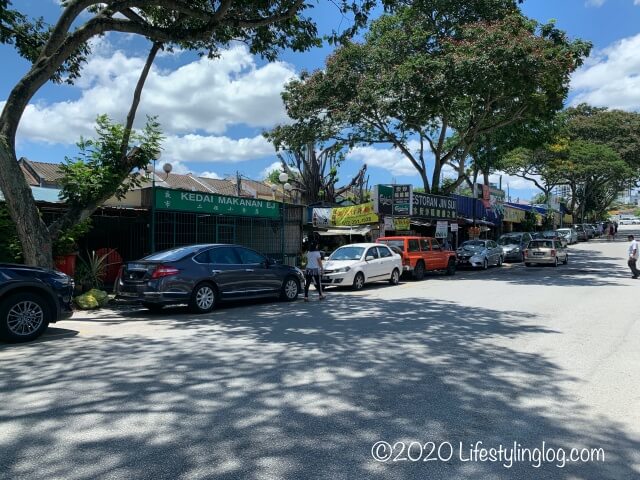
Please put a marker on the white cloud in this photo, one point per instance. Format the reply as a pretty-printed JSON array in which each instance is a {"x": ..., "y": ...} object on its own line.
[
  {"x": 213, "y": 175},
  {"x": 595, "y": 3},
  {"x": 274, "y": 166},
  {"x": 203, "y": 149},
  {"x": 611, "y": 78},
  {"x": 196, "y": 103},
  {"x": 389, "y": 159}
]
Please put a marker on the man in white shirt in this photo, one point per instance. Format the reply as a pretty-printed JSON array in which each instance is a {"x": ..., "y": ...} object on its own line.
[{"x": 633, "y": 256}]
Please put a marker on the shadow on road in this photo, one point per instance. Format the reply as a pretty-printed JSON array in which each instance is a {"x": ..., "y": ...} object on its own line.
[{"x": 295, "y": 391}]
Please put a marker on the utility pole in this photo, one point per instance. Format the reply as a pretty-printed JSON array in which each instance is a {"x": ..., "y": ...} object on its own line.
[{"x": 238, "y": 182}]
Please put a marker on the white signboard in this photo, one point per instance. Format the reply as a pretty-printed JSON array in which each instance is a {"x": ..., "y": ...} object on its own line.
[
  {"x": 454, "y": 227},
  {"x": 442, "y": 229}
]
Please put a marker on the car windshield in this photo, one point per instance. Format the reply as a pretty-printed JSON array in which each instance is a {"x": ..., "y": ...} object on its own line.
[
  {"x": 347, "y": 253},
  {"x": 399, "y": 244},
  {"x": 173, "y": 254},
  {"x": 509, "y": 240},
  {"x": 473, "y": 245},
  {"x": 541, "y": 244}
]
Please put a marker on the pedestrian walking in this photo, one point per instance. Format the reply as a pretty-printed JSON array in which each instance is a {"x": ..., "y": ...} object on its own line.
[
  {"x": 313, "y": 271},
  {"x": 612, "y": 232},
  {"x": 633, "y": 256}
]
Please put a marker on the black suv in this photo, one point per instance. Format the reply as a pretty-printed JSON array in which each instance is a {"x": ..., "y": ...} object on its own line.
[
  {"x": 30, "y": 299},
  {"x": 203, "y": 275}
]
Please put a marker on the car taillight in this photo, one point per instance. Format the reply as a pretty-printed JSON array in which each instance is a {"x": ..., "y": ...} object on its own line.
[
  {"x": 553, "y": 253},
  {"x": 164, "y": 271}
]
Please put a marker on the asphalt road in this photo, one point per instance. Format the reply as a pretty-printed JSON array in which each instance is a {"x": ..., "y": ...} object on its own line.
[{"x": 274, "y": 390}]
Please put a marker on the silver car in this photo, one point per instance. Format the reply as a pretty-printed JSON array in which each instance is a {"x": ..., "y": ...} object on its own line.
[
  {"x": 570, "y": 235},
  {"x": 545, "y": 252},
  {"x": 480, "y": 253}
]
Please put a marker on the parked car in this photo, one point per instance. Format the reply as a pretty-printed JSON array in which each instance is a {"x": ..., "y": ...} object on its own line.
[
  {"x": 360, "y": 263},
  {"x": 30, "y": 299},
  {"x": 591, "y": 232},
  {"x": 422, "y": 254},
  {"x": 596, "y": 230},
  {"x": 480, "y": 253},
  {"x": 554, "y": 235},
  {"x": 545, "y": 252},
  {"x": 513, "y": 245},
  {"x": 203, "y": 275},
  {"x": 583, "y": 235},
  {"x": 570, "y": 235}
]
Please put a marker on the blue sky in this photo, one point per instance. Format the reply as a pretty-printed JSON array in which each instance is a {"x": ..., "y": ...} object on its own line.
[{"x": 213, "y": 112}]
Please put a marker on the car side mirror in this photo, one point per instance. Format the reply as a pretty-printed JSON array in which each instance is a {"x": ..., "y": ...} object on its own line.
[{"x": 369, "y": 257}]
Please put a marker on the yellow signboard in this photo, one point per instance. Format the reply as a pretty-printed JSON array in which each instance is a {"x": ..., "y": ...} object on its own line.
[
  {"x": 513, "y": 215},
  {"x": 402, "y": 223},
  {"x": 354, "y": 215}
]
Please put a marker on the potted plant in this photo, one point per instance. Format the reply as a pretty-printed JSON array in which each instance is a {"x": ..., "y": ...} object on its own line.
[
  {"x": 65, "y": 247},
  {"x": 91, "y": 271}
]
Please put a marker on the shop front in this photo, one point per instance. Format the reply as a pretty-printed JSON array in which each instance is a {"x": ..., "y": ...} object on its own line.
[
  {"x": 182, "y": 217},
  {"x": 333, "y": 227},
  {"x": 512, "y": 219}
]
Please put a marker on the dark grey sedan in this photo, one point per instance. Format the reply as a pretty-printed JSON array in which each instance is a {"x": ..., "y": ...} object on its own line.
[{"x": 203, "y": 275}]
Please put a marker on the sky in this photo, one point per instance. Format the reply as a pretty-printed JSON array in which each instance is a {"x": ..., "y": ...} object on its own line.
[{"x": 213, "y": 112}]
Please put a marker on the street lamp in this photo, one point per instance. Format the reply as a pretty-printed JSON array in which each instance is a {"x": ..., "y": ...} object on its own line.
[{"x": 286, "y": 187}]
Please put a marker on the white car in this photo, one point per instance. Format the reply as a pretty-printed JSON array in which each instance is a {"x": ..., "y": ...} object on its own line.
[{"x": 360, "y": 263}]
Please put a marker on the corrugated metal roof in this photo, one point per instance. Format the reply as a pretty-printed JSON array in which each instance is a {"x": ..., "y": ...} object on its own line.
[
  {"x": 224, "y": 187},
  {"x": 48, "y": 172}
]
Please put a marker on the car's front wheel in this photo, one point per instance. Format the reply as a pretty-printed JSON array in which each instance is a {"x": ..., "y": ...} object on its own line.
[
  {"x": 358, "y": 281},
  {"x": 24, "y": 317},
  {"x": 290, "y": 289},
  {"x": 203, "y": 298}
]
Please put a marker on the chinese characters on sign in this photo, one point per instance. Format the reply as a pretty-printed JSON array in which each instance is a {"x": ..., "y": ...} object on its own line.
[
  {"x": 434, "y": 206},
  {"x": 394, "y": 200},
  {"x": 354, "y": 215}
]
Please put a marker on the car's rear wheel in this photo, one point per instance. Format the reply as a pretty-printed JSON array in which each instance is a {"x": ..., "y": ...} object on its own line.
[
  {"x": 358, "y": 281},
  {"x": 290, "y": 289},
  {"x": 152, "y": 307},
  {"x": 395, "y": 277},
  {"x": 451, "y": 267},
  {"x": 24, "y": 316},
  {"x": 203, "y": 298},
  {"x": 418, "y": 272}
]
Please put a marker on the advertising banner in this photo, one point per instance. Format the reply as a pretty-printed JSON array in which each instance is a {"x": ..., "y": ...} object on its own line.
[
  {"x": 426, "y": 205},
  {"x": 394, "y": 200},
  {"x": 197, "y": 202},
  {"x": 513, "y": 215},
  {"x": 354, "y": 215},
  {"x": 402, "y": 223},
  {"x": 321, "y": 217},
  {"x": 442, "y": 229}
]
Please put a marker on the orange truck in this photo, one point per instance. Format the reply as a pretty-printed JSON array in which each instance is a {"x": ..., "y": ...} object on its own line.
[{"x": 421, "y": 255}]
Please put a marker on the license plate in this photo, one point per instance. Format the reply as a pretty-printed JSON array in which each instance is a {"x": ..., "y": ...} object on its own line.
[
  {"x": 539, "y": 254},
  {"x": 129, "y": 294},
  {"x": 136, "y": 266}
]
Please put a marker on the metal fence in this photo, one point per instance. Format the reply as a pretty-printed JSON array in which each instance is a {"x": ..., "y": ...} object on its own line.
[{"x": 267, "y": 236}]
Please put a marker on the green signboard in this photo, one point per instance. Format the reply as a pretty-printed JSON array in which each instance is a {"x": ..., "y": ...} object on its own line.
[{"x": 183, "y": 201}]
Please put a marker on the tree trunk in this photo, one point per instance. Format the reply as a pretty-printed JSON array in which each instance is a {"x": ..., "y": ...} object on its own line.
[
  {"x": 31, "y": 229},
  {"x": 485, "y": 175}
]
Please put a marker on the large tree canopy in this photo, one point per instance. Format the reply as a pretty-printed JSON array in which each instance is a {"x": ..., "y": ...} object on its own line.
[
  {"x": 437, "y": 69},
  {"x": 58, "y": 51}
]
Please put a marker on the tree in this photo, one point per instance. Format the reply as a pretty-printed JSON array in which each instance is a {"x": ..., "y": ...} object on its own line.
[
  {"x": 312, "y": 160},
  {"x": 436, "y": 69},
  {"x": 57, "y": 53}
]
